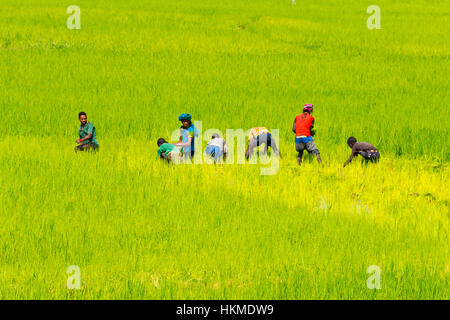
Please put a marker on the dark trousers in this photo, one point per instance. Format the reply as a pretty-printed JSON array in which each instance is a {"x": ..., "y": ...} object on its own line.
[
  {"x": 266, "y": 139},
  {"x": 370, "y": 155},
  {"x": 87, "y": 147}
]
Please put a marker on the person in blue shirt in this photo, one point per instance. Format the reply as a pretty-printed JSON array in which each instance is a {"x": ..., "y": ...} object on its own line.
[{"x": 188, "y": 134}]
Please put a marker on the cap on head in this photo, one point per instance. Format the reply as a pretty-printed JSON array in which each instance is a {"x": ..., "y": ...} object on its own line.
[
  {"x": 215, "y": 135},
  {"x": 184, "y": 117},
  {"x": 308, "y": 107}
]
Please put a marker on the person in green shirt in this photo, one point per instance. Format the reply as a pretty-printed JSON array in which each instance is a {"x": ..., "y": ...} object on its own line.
[
  {"x": 168, "y": 151},
  {"x": 88, "y": 139}
]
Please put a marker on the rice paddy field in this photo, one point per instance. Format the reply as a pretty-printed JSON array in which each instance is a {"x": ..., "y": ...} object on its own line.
[{"x": 141, "y": 229}]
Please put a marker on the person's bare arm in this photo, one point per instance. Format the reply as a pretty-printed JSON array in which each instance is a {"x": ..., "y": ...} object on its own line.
[
  {"x": 184, "y": 144},
  {"x": 164, "y": 156},
  {"x": 293, "y": 127},
  {"x": 354, "y": 153},
  {"x": 85, "y": 138},
  {"x": 349, "y": 160}
]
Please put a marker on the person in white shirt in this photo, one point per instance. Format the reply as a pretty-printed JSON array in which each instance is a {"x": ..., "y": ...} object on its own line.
[{"x": 216, "y": 148}]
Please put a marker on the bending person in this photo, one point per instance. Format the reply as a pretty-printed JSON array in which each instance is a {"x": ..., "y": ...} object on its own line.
[
  {"x": 168, "y": 151},
  {"x": 365, "y": 149},
  {"x": 216, "y": 148},
  {"x": 258, "y": 136},
  {"x": 303, "y": 129}
]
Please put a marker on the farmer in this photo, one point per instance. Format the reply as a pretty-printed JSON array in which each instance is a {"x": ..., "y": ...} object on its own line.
[
  {"x": 258, "y": 136},
  {"x": 216, "y": 148},
  {"x": 365, "y": 149},
  {"x": 88, "y": 139},
  {"x": 188, "y": 134},
  {"x": 303, "y": 125},
  {"x": 168, "y": 151}
]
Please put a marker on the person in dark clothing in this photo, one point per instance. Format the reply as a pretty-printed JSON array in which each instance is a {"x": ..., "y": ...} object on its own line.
[{"x": 365, "y": 149}]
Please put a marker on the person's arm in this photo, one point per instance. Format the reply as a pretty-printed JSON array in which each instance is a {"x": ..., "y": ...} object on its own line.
[
  {"x": 89, "y": 128},
  {"x": 349, "y": 160},
  {"x": 313, "y": 132},
  {"x": 354, "y": 153},
  {"x": 85, "y": 138},
  {"x": 184, "y": 144},
  {"x": 190, "y": 135},
  {"x": 293, "y": 127}
]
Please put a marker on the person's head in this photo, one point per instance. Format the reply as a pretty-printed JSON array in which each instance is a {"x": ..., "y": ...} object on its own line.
[
  {"x": 351, "y": 141},
  {"x": 161, "y": 141},
  {"x": 185, "y": 119},
  {"x": 82, "y": 117},
  {"x": 308, "y": 108},
  {"x": 215, "y": 135}
]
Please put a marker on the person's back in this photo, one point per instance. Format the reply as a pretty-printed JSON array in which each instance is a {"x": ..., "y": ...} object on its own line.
[
  {"x": 302, "y": 124},
  {"x": 218, "y": 142},
  {"x": 166, "y": 148},
  {"x": 363, "y": 146},
  {"x": 216, "y": 147},
  {"x": 258, "y": 136},
  {"x": 255, "y": 132}
]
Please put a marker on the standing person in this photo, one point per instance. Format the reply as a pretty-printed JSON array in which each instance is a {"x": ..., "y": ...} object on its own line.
[
  {"x": 258, "y": 136},
  {"x": 88, "y": 138},
  {"x": 168, "y": 151},
  {"x": 303, "y": 129},
  {"x": 365, "y": 149},
  {"x": 188, "y": 134},
  {"x": 216, "y": 148}
]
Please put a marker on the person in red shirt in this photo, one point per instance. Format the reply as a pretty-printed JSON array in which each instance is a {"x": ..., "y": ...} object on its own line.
[{"x": 303, "y": 125}]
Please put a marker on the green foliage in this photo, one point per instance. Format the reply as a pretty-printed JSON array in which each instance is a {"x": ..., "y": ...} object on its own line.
[{"x": 140, "y": 229}]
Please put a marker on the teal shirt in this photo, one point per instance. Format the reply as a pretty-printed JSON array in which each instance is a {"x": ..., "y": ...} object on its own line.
[
  {"x": 191, "y": 132},
  {"x": 83, "y": 131},
  {"x": 167, "y": 148}
]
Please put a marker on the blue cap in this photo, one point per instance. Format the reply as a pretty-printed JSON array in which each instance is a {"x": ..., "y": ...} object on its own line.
[{"x": 185, "y": 116}]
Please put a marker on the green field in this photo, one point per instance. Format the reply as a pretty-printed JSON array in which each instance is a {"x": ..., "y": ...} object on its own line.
[{"x": 140, "y": 229}]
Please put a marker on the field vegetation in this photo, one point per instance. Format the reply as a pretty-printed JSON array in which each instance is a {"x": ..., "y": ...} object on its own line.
[{"x": 140, "y": 229}]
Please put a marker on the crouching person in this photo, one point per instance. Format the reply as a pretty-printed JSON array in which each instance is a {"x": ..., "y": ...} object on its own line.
[
  {"x": 216, "y": 148},
  {"x": 168, "y": 152},
  {"x": 365, "y": 149},
  {"x": 86, "y": 132},
  {"x": 259, "y": 136}
]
